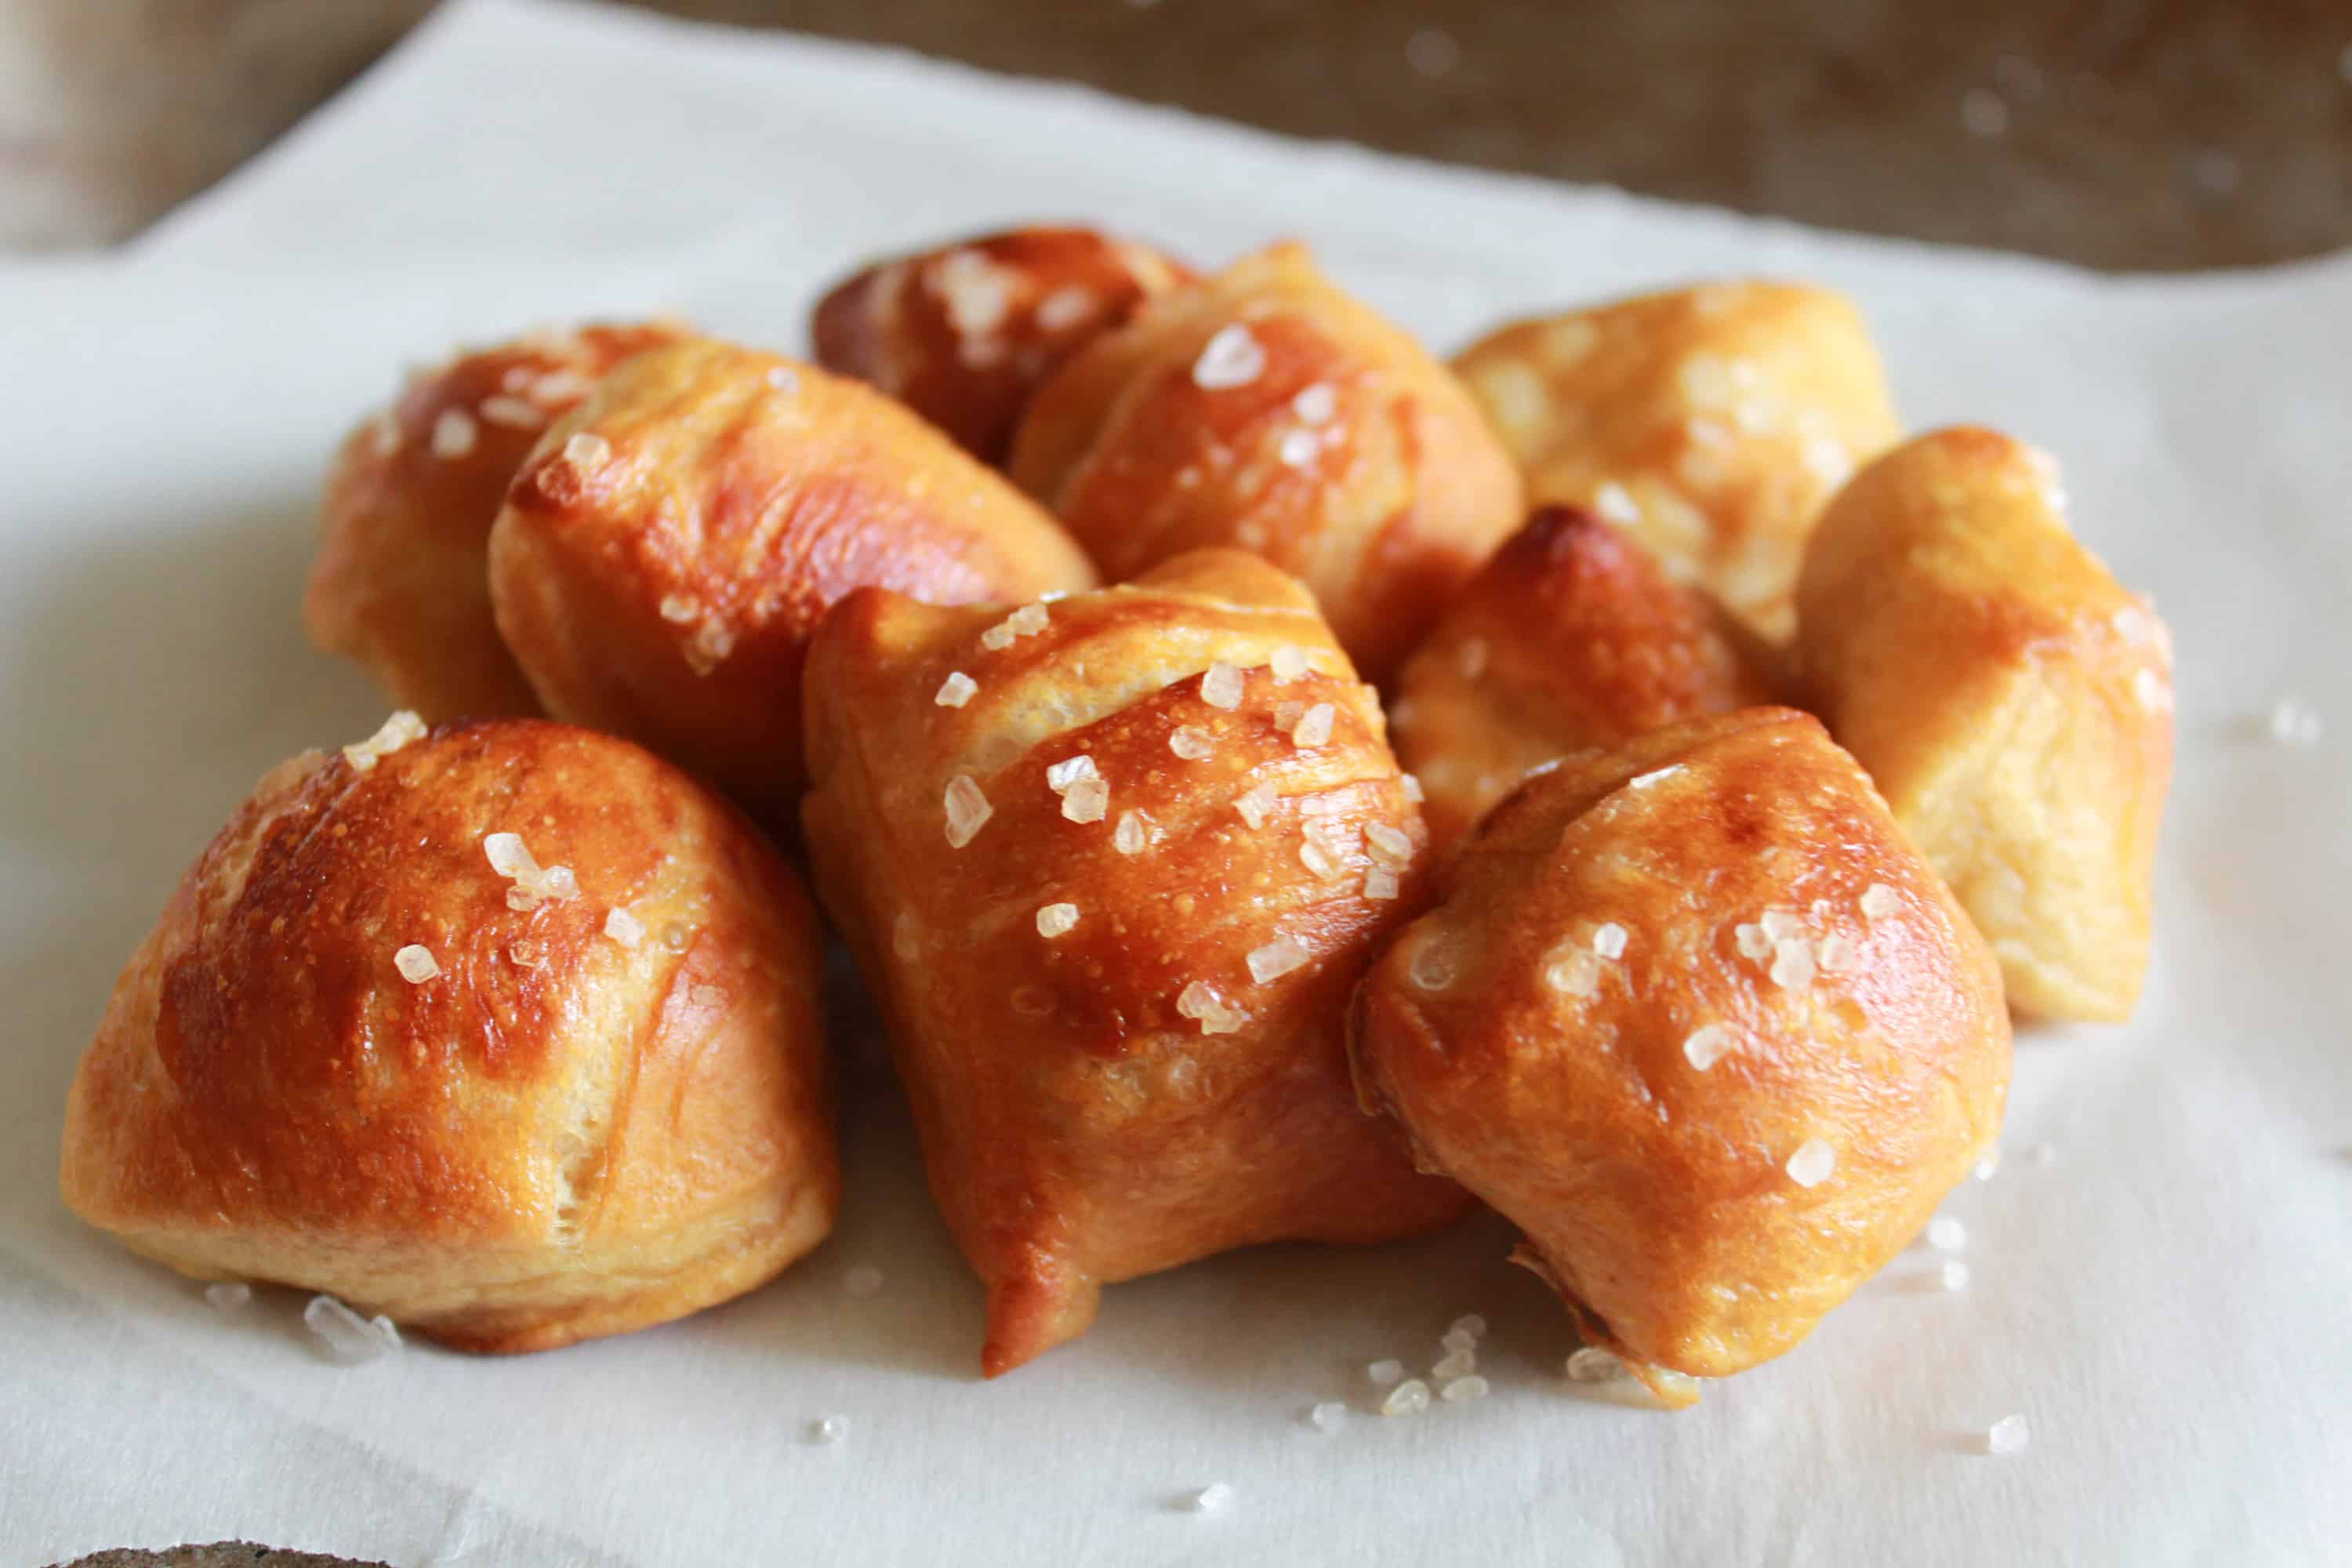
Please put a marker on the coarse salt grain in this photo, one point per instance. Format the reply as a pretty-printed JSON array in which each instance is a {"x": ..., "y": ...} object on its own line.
[
  {"x": 1064, "y": 308},
  {"x": 1277, "y": 959},
  {"x": 1707, "y": 1045},
  {"x": 229, "y": 1295},
  {"x": 681, "y": 609},
  {"x": 1753, "y": 943},
  {"x": 454, "y": 434},
  {"x": 1879, "y": 900},
  {"x": 708, "y": 647},
  {"x": 956, "y": 689},
  {"x": 1133, "y": 833},
  {"x": 1385, "y": 1373},
  {"x": 624, "y": 927},
  {"x": 1199, "y": 1001},
  {"x": 829, "y": 1429},
  {"x": 1988, "y": 1166},
  {"x": 350, "y": 1337},
  {"x": 1574, "y": 973},
  {"x": 415, "y": 963},
  {"x": 1615, "y": 502},
  {"x": 865, "y": 1279},
  {"x": 1314, "y": 726},
  {"x": 1087, "y": 800},
  {"x": 1780, "y": 924},
  {"x": 1457, "y": 1362},
  {"x": 1029, "y": 619},
  {"x": 396, "y": 731},
  {"x": 586, "y": 449},
  {"x": 1838, "y": 954},
  {"x": 1947, "y": 1234},
  {"x": 1190, "y": 742},
  {"x": 1315, "y": 401},
  {"x": 1391, "y": 845},
  {"x": 1609, "y": 940},
  {"x": 1211, "y": 1498},
  {"x": 1410, "y": 1398},
  {"x": 1319, "y": 857},
  {"x": 1256, "y": 802},
  {"x": 2007, "y": 1436},
  {"x": 1327, "y": 1417},
  {"x": 1061, "y": 775},
  {"x": 513, "y": 412},
  {"x": 967, "y": 809},
  {"x": 1464, "y": 1388},
  {"x": 1810, "y": 1165},
  {"x": 975, "y": 290},
  {"x": 1593, "y": 1364},
  {"x": 1289, "y": 662},
  {"x": 1952, "y": 1275},
  {"x": 1221, "y": 686},
  {"x": 1055, "y": 919},
  {"x": 1470, "y": 1323},
  {"x": 1380, "y": 883},
  {"x": 1298, "y": 448},
  {"x": 1231, "y": 358},
  {"x": 1410, "y": 783},
  {"x": 1792, "y": 964}
]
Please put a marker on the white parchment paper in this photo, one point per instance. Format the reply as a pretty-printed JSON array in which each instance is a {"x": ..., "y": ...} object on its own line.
[{"x": 2162, "y": 1268}]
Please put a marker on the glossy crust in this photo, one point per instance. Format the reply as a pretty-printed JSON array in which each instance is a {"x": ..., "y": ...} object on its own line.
[
  {"x": 1078, "y": 1128},
  {"x": 558, "y": 1136},
  {"x": 1711, "y": 423},
  {"x": 401, "y": 582},
  {"x": 2011, "y": 700},
  {"x": 1656, "y": 1195},
  {"x": 965, "y": 333},
  {"x": 1569, "y": 637},
  {"x": 1383, "y": 500},
  {"x": 669, "y": 545}
]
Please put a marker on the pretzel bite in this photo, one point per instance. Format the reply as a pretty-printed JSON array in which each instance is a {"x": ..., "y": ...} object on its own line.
[
  {"x": 1569, "y": 637},
  {"x": 1268, "y": 409},
  {"x": 401, "y": 582},
  {"x": 1697, "y": 1017},
  {"x": 2011, "y": 700},
  {"x": 1109, "y": 865},
  {"x": 668, "y": 547},
  {"x": 964, "y": 334},
  {"x": 509, "y": 1031},
  {"x": 1711, "y": 423}
]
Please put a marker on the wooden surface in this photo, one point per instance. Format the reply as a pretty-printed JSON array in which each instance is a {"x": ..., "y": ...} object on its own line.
[{"x": 2121, "y": 134}]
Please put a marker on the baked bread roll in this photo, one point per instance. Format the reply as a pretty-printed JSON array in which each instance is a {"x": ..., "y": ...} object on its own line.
[
  {"x": 1110, "y": 866},
  {"x": 1569, "y": 637},
  {"x": 1697, "y": 1017},
  {"x": 1266, "y": 409},
  {"x": 964, "y": 334},
  {"x": 1711, "y": 423},
  {"x": 509, "y": 1031},
  {"x": 668, "y": 547},
  {"x": 401, "y": 582},
  {"x": 2012, "y": 701}
]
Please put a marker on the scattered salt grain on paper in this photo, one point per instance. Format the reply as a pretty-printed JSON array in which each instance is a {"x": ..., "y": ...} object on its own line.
[
  {"x": 1327, "y": 1417},
  {"x": 1211, "y": 1498},
  {"x": 348, "y": 1337},
  {"x": 829, "y": 1429},
  {"x": 1947, "y": 1234},
  {"x": 1953, "y": 1275},
  {"x": 2007, "y": 1436},
  {"x": 1593, "y": 1364},
  {"x": 1385, "y": 1373},
  {"x": 2294, "y": 723},
  {"x": 229, "y": 1295},
  {"x": 1464, "y": 1388},
  {"x": 1410, "y": 1398}
]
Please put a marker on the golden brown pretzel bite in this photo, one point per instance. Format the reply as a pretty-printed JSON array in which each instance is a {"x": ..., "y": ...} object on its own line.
[
  {"x": 1109, "y": 865},
  {"x": 1696, "y": 1016},
  {"x": 509, "y": 1031}
]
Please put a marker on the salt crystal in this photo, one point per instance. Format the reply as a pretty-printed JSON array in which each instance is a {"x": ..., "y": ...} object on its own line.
[
  {"x": 1391, "y": 845},
  {"x": 863, "y": 1280},
  {"x": 513, "y": 412},
  {"x": 1327, "y": 1417},
  {"x": 1232, "y": 358},
  {"x": 350, "y": 1337},
  {"x": 1412, "y": 790},
  {"x": 1594, "y": 1364},
  {"x": 1464, "y": 1388},
  {"x": 1380, "y": 883},
  {"x": 1707, "y": 1045},
  {"x": 829, "y": 1429},
  {"x": 1753, "y": 943},
  {"x": 1256, "y": 802},
  {"x": 558, "y": 882},
  {"x": 968, "y": 810},
  {"x": 1287, "y": 715},
  {"x": 1298, "y": 448},
  {"x": 1289, "y": 663},
  {"x": 1410, "y": 1398},
  {"x": 2007, "y": 1436},
  {"x": 956, "y": 689},
  {"x": 1316, "y": 403},
  {"x": 712, "y": 643},
  {"x": 1222, "y": 685},
  {"x": 975, "y": 289},
  {"x": 1953, "y": 1275},
  {"x": 2294, "y": 723},
  {"x": 1615, "y": 502},
  {"x": 415, "y": 963},
  {"x": 1064, "y": 308},
  {"x": 997, "y": 637},
  {"x": 1470, "y": 1323},
  {"x": 1573, "y": 972},
  {"x": 1947, "y": 1234},
  {"x": 1320, "y": 858},
  {"x": 454, "y": 434},
  {"x": 1132, "y": 834},
  {"x": 1780, "y": 924},
  {"x": 1879, "y": 900},
  {"x": 1838, "y": 954},
  {"x": 1810, "y": 1165},
  {"x": 396, "y": 731},
  {"x": 680, "y": 609},
  {"x": 1211, "y": 1498},
  {"x": 1061, "y": 775},
  {"x": 1029, "y": 619},
  {"x": 1987, "y": 1166},
  {"x": 1609, "y": 940},
  {"x": 1277, "y": 959},
  {"x": 1643, "y": 781},
  {"x": 1055, "y": 919},
  {"x": 229, "y": 1295},
  {"x": 1792, "y": 964},
  {"x": 1458, "y": 1362},
  {"x": 586, "y": 449},
  {"x": 1190, "y": 742},
  {"x": 1385, "y": 1373},
  {"x": 1200, "y": 1001},
  {"x": 1087, "y": 800},
  {"x": 1314, "y": 728},
  {"x": 528, "y": 954},
  {"x": 2149, "y": 689}
]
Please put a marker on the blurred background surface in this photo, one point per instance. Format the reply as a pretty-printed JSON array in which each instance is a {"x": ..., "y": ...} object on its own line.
[{"x": 2156, "y": 134}]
